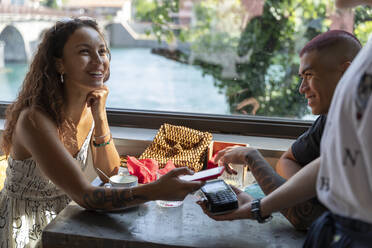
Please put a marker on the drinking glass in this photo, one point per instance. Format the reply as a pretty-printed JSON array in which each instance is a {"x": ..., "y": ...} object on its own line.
[
  {"x": 238, "y": 179},
  {"x": 167, "y": 204}
]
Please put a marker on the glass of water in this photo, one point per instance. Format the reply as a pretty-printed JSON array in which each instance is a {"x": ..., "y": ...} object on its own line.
[
  {"x": 167, "y": 204},
  {"x": 238, "y": 179}
]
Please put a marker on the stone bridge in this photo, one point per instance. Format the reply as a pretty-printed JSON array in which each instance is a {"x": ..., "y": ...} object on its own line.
[
  {"x": 21, "y": 38},
  {"x": 21, "y": 29}
]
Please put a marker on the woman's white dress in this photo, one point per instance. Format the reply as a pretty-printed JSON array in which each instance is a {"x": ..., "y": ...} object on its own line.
[{"x": 29, "y": 201}]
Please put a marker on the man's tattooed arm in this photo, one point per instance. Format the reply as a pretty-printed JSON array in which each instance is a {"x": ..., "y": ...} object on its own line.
[
  {"x": 113, "y": 198},
  {"x": 302, "y": 215}
]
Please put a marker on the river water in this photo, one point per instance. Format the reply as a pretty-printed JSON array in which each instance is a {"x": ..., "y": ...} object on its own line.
[{"x": 141, "y": 80}]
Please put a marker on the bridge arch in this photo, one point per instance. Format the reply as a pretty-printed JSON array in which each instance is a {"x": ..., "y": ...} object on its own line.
[
  {"x": 14, "y": 49},
  {"x": 107, "y": 33}
]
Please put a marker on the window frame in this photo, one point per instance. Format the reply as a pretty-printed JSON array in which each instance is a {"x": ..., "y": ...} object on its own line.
[{"x": 261, "y": 126}]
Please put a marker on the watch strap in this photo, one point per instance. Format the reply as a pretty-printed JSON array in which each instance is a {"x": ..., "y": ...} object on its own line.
[{"x": 256, "y": 212}]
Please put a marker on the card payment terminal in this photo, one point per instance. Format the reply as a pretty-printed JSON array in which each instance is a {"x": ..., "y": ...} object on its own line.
[{"x": 220, "y": 197}]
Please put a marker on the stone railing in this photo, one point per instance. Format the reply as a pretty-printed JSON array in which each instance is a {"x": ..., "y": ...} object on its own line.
[
  {"x": 25, "y": 10},
  {"x": 20, "y": 12}
]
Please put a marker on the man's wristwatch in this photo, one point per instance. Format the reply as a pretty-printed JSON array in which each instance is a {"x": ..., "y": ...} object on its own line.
[{"x": 256, "y": 212}]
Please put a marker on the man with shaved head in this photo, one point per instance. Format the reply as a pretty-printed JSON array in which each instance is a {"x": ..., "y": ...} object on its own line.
[{"x": 323, "y": 61}]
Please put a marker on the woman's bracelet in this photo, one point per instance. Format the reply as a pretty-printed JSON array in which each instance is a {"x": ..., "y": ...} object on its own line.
[
  {"x": 102, "y": 144},
  {"x": 103, "y": 136}
]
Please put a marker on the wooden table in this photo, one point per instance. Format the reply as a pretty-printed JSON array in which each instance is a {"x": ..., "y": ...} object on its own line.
[{"x": 149, "y": 225}]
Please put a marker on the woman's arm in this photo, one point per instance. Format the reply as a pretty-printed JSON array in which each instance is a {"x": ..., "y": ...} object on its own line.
[
  {"x": 41, "y": 140},
  {"x": 168, "y": 187},
  {"x": 106, "y": 156}
]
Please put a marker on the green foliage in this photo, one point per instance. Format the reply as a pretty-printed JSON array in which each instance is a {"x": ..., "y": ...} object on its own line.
[
  {"x": 363, "y": 23},
  {"x": 50, "y": 3},
  {"x": 210, "y": 35},
  {"x": 109, "y": 18},
  {"x": 271, "y": 41},
  {"x": 362, "y": 14},
  {"x": 266, "y": 50},
  {"x": 159, "y": 12},
  {"x": 143, "y": 8}
]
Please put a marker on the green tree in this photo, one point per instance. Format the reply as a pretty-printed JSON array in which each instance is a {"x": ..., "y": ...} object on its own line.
[
  {"x": 267, "y": 60},
  {"x": 269, "y": 78},
  {"x": 363, "y": 23},
  {"x": 143, "y": 10},
  {"x": 160, "y": 14},
  {"x": 50, "y": 3}
]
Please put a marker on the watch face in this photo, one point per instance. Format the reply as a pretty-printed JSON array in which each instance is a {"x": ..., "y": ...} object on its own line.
[
  {"x": 255, "y": 205},
  {"x": 255, "y": 212}
]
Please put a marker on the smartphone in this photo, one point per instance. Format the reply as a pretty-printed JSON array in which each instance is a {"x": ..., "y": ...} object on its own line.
[
  {"x": 221, "y": 198},
  {"x": 205, "y": 175}
]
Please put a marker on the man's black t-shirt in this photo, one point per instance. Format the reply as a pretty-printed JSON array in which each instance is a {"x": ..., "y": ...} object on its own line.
[{"x": 307, "y": 147}]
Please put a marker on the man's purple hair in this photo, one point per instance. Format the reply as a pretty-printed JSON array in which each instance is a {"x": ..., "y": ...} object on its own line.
[{"x": 330, "y": 39}]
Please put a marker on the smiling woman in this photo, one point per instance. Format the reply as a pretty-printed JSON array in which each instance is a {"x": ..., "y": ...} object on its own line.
[
  {"x": 60, "y": 114},
  {"x": 91, "y": 58}
]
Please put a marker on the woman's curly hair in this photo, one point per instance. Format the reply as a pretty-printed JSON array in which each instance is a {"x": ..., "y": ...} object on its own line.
[{"x": 42, "y": 88}]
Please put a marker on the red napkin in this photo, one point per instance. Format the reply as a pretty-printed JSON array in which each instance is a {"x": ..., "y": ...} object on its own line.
[
  {"x": 167, "y": 168},
  {"x": 146, "y": 169},
  {"x": 211, "y": 163}
]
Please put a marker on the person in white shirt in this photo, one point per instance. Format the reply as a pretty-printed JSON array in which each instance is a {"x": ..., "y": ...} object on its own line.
[{"x": 341, "y": 177}]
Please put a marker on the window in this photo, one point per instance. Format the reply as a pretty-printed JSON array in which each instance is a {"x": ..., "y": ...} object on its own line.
[{"x": 225, "y": 66}]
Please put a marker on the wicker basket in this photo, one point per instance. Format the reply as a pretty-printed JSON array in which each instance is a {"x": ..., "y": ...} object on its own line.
[{"x": 184, "y": 146}]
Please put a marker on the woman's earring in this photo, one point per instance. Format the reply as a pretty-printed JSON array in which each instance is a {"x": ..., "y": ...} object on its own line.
[{"x": 62, "y": 78}]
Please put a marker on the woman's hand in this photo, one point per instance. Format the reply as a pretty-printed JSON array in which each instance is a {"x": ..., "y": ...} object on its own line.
[
  {"x": 170, "y": 187},
  {"x": 96, "y": 100},
  {"x": 242, "y": 212},
  {"x": 235, "y": 155}
]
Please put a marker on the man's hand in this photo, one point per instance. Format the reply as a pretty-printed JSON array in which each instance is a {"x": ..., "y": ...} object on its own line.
[
  {"x": 236, "y": 155},
  {"x": 242, "y": 212}
]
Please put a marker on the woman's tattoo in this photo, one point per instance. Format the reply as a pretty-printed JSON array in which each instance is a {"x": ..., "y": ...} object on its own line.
[
  {"x": 105, "y": 199},
  {"x": 302, "y": 215}
]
